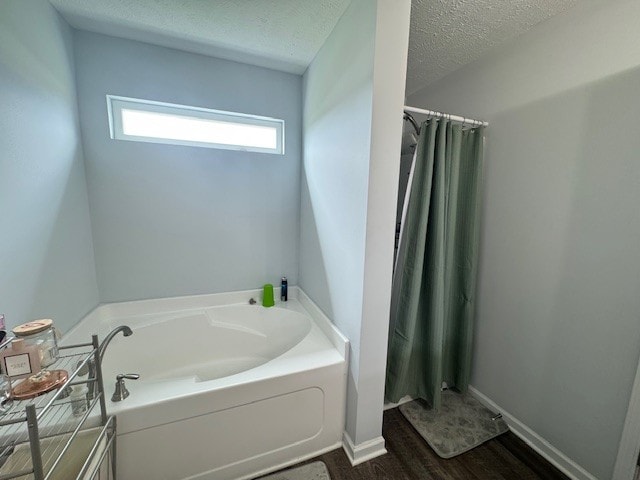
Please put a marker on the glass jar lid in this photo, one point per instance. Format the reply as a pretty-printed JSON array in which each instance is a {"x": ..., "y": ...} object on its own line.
[{"x": 33, "y": 327}]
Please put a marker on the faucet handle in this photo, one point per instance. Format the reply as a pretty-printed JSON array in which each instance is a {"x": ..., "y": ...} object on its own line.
[{"x": 121, "y": 391}]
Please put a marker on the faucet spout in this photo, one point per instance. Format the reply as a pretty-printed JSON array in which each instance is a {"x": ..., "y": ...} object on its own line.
[
  {"x": 91, "y": 366},
  {"x": 126, "y": 331}
]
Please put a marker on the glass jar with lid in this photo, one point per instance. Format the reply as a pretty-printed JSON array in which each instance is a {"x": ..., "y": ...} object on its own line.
[{"x": 41, "y": 334}]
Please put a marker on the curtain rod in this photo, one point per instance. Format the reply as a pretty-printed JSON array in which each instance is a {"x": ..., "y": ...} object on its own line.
[{"x": 453, "y": 118}]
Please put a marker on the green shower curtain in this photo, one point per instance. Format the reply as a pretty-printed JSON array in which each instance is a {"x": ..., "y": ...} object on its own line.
[{"x": 432, "y": 306}]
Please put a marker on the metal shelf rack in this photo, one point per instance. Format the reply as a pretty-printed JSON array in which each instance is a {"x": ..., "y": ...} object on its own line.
[{"x": 46, "y": 426}]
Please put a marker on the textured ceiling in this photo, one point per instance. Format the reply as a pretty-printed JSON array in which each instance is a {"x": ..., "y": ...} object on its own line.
[
  {"x": 447, "y": 34},
  {"x": 287, "y": 34},
  {"x": 281, "y": 34}
]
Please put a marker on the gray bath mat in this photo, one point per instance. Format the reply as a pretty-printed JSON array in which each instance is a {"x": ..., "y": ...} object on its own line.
[
  {"x": 462, "y": 423},
  {"x": 310, "y": 471}
]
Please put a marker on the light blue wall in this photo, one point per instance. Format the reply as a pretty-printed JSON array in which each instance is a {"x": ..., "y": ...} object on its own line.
[
  {"x": 46, "y": 255},
  {"x": 173, "y": 220},
  {"x": 338, "y": 91}
]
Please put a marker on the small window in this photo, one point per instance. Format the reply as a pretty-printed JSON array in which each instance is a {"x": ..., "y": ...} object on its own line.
[{"x": 157, "y": 122}]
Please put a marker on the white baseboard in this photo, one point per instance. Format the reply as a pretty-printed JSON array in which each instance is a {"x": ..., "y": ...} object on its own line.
[
  {"x": 535, "y": 441},
  {"x": 362, "y": 452}
]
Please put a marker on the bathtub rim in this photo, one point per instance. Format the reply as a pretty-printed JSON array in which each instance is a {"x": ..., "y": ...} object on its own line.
[{"x": 104, "y": 312}]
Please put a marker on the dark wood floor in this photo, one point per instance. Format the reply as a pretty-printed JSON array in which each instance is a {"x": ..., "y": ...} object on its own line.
[{"x": 505, "y": 457}]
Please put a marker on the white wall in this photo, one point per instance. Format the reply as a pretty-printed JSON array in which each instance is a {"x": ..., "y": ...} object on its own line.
[
  {"x": 389, "y": 75},
  {"x": 173, "y": 220},
  {"x": 46, "y": 256},
  {"x": 557, "y": 337},
  {"x": 353, "y": 88}
]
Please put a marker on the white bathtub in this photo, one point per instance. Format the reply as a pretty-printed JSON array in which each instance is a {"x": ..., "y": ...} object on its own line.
[{"x": 227, "y": 390}]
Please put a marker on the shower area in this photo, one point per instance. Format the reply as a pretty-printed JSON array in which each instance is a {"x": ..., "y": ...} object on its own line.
[{"x": 434, "y": 281}]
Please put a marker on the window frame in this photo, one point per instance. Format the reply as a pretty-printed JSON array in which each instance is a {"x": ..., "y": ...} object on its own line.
[{"x": 115, "y": 105}]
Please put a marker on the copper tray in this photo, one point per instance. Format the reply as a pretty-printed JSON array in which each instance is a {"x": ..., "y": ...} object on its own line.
[{"x": 31, "y": 388}]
